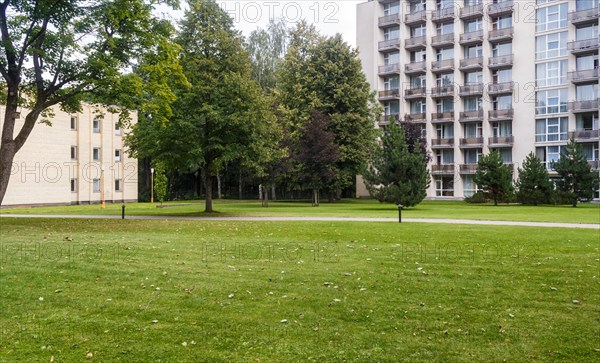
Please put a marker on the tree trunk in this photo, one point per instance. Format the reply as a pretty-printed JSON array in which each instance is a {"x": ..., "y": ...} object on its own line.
[
  {"x": 208, "y": 185},
  {"x": 265, "y": 199},
  {"x": 315, "y": 197},
  {"x": 273, "y": 193},
  {"x": 8, "y": 147},
  {"x": 7, "y": 155},
  {"x": 240, "y": 191},
  {"x": 219, "y": 194}
]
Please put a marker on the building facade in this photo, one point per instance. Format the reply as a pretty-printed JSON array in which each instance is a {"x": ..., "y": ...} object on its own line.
[
  {"x": 516, "y": 76},
  {"x": 79, "y": 159}
]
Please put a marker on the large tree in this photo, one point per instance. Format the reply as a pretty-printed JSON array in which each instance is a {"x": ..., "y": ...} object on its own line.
[
  {"x": 534, "y": 185},
  {"x": 267, "y": 48},
  {"x": 60, "y": 52},
  {"x": 397, "y": 172},
  {"x": 493, "y": 176},
  {"x": 576, "y": 179}
]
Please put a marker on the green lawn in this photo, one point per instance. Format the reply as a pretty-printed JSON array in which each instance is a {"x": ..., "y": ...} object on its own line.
[
  {"x": 188, "y": 291},
  {"x": 584, "y": 213}
]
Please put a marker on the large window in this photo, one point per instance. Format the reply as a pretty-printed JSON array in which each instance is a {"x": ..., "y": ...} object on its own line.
[
  {"x": 472, "y": 156},
  {"x": 444, "y": 53},
  {"x": 418, "y": 107},
  {"x": 445, "y": 28},
  {"x": 502, "y": 103},
  {"x": 444, "y": 157},
  {"x": 445, "y": 105},
  {"x": 586, "y": 4},
  {"x": 444, "y": 80},
  {"x": 552, "y": 17},
  {"x": 587, "y": 32},
  {"x": 501, "y": 129},
  {"x": 391, "y": 108},
  {"x": 473, "y": 77},
  {"x": 588, "y": 92},
  {"x": 551, "y": 101},
  {"x": 502, "y": 76},
  {"x": 587, "y": 121},
  {"x": 551, "y": 129},
  {"x": 499, "y": 50},
  {"x": 469, "y": 185},
  {"x": 444, "y": 186},
  {"x": 417, "y": 5},
  {"x": 473, "y": 129},
  {"x": 391, "y": 58},
  {"x": 474, "y": 51},
  {"x": 587, "y": 62},
  {"x": 472, "y": 104},
  {"x": 551, "y": 73},
  {"x": 473, "y": 25},
  {"x": 548, "y": 155},
  {"x": 502, "y": 22},
  {"x": 418, "y": 56},
  {"x": 418, "y": 81},
  {"x": 551, "y": 45},
  {"x": 445, "y": 131},
  {"x": 390, "y": 83},
  {"x": 391, "y": 33},
  {"x": 391, "y": 8},
  {"x": 506, "y": 154},
  {"x": 419, "y": 30}
]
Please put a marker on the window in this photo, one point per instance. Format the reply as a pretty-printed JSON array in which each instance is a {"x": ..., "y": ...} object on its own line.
[
  {"x": 473, "y": 129},
  {"x": 587, "y": 62},
  {"x": 472, "y": 2},
  {"x": 551, "y": 17},
  {"x": 117, "y": 155},
  {"x": 587, "y": 121},
  {"x": 390, "y": 83},
  {"x": 587, "y": 32},
  {"x": 444, "y": 53},
  {"x": 73, "y": 185},
  {"x": 445, "y": 28},
  {"x": 502, "y": 103},
  {"x": 445, "y": 131},
  {"x": 391, "y": 33},
  {"x": 502, "y": 22},
  {"x": 96, "y": 154},
  {"x": 391, "y": 108},
  {"x": 96, "y": 185},
  {"x": 472, "y": 156},
  {"x": 444, "y": 186},
  {"x": 416, "y": 5},
  {"x": 501, "y": 129},
  {"x": 418, "y": 81},
  {"x": 551, "y": 101},
  {"x": 118, "y": 185},
  {"x": 117, "y": 129},
  {"x": 473, "y": 77},
  {"x": 444, "y": 80},
  {"x": 502, "y": 76},
  {"x": 444, "y": 4},
  {"x": 444, "y": 157},
  {"x": 73, "y": 152},
  {"x": 506, "y": 154},
  {"x": 73, "y": 122},
  {"x": 499, "y": 50},
  {"x": 418, "y": 107},
  {"x": 551, "y": 129},
  {"x": 548, "y": 155},
  {"x": 588, "y": 92},
  {"x": 551, "y": 45},
  {"x": 590, "y": 150},
  {"x": 551, "y": 73},
  {"x": 391, "y": 8},
  {"x": 474, "y": 51},
  {"x": 391, "y": 58},
  {"x": 473, "y": 25},
  {"x": 472, "y": 104},
  {"x": 417, "y": 31},
  {"x": 96, "y": 124},
  {"x": 586, "y": 4},
  {"x": 469, "y": 185},
  {"x": 445, "y": 105},
  {"x": 418, "y": 56}
]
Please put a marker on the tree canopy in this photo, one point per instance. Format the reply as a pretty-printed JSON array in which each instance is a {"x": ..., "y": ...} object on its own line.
[
  {"x": 534, "y": 185},
  {"x": 493, "y": 176},
  {"x": 576, "y": 179}
]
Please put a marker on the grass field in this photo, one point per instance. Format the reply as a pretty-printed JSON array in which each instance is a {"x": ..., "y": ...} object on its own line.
[
  {"x": 184, "y": 291},
  {"x": 584, "y": 213}
]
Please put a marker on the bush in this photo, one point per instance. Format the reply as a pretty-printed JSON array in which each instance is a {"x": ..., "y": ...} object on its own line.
[{"x": 477, "y": 198}]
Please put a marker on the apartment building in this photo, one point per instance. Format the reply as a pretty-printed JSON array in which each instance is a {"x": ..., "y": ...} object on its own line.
[
  {"x": 79, "y": 159},
  {"x": 516, "y": 76}
]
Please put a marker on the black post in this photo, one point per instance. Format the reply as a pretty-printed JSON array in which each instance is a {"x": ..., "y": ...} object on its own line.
[
  {"x": 123, "y": 211},
  {"x": 400, "y": 213}
]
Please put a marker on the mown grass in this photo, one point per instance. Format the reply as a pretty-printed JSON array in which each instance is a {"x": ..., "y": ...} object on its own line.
[
  {"x": 210, "y": 291},
  {"x": 584, "y": 213}
]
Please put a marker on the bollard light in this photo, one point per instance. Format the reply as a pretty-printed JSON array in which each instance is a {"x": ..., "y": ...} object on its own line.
[{"x": 400, "y": 212}]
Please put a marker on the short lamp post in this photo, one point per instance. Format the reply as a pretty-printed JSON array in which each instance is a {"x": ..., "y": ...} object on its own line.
[
  {"x": 152, "y": 185},
  {"x": 102, "y": 202},
  {"x": 400, "y": 212}
]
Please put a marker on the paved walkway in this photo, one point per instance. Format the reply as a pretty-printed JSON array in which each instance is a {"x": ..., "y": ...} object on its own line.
[{"x": 315, "y": 219}]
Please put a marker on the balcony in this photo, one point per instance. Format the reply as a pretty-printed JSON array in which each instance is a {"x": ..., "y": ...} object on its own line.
[
  {"x": 500, "y": 34},
  {"x": 388, "y": 20},
  {"x": 583, "y": 106},
  {"x": 501, "y": 88},
  {"x": 594, "y": 164},
  {"x": 443, "y": 39},
  {"x": 442, "y": 143},
  {"x": 470, "y": 12},
  {"x": 469, "y": 116},
  {"x": 415, "y": 117},
  {"x": 442, "y": 117},
  {"x": 386, "y": 119},
  {"x": 443, "y": 91},
  {"x": 500, "y": 141},
  {"x": 499, "y": 115},
  {"x": 442, "y": 65},
  {"x": 500, "y": 8},
  {"x": 471, "y": 37},
  {"x": 583, "y": 46},
  {"x": 442, "y": 169},
  {"x": 468, "y": 168},
  {"x": 475, "y": 63},
  {"x": 414, "y": 93},
  {"x": 585, "y": 135},
  {"x": 416, "y": 43},
  {"x": 415, "y": 67},
  {"x": 584, "y": 76},
  {"x": 503, "y": 61},
  {"x": 441, "y": 15},
  {"x": 389, "y": 44},
  {"x": 471, "y": 89},
  {"x": 415, "y": 18},
  {"x": 389, "y": 69},
  {"x": 584, "y": 16},
  {"x": 389, "y": 94},
  {"x": 471, "y": 142}
]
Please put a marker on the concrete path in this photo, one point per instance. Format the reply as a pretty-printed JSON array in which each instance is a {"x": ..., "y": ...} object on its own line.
[{"x": 315, "y": 219}]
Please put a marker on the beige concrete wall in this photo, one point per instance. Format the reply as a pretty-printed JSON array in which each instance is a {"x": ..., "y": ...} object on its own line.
[{"x": 43, "y": 168}]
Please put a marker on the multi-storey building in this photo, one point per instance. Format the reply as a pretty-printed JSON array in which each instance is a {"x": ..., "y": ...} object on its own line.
[
  {"x": 79, "y": 159},
  {"x": 516, "y": 76}
]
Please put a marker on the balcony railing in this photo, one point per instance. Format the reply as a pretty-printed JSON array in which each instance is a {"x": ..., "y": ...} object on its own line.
[
  {"x": 386, "y": 119},
  {"x": 389, "y": 20},
  {"x": 501, "y": 141},
  {"x": 471, "y": 142},
  {"x": 416, "y": 43},
  {"x": 583, "y": 106},
  {"x": 471, "y": 37},
  {"x": 584, "y": 16},
  {"x": 415, "y": 67},
  {"x": 416, "y": 17},
  {"x": 473, "y": 11},
  {"x": 502, "y": 7},
  {"x": 417, "y": 92},
  {"x": 583, "y": 46},
  {"x": 500, "y": 34},
  {"x": 468, "y": 116},
  {"x": 443, "y": 169},
  {"x": 471, "y": 63},
  {"x": 389, "y": 44},
  {"x": 506, "y": 114},
  {"x": 468, "y": 168},
  {"x": 500, "y": 88},
  {"x": 443, "y": 91},
  {"x": 389, "y": 68},
  {"x": 443, "y": 14},
  {"x": 587, "y": 75},
  {"x": 417, "y": 117},
  {"x": 390, "y": 93},
  {"x": 502, "y": 61},
  {"x": 443, "y": 39},
  {"x": 471, "y": 89},
  {"x": 442, "y": 143},
  {"x": 585, "y": 134},
  {"x": 438, "y": 117},
  {"x": 442, "y": 65}
]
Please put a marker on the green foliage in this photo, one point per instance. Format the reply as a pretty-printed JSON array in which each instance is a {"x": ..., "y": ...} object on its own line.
[
  {"x": 267, "y": 48},
  {"x": 534, "y": 185},
  {"x": 396, "y": 174},
  {"x": 160, "y": 182},
  {"x": 494, "y": 177},
  {"x": 577, "y": 181},
  {"x": 477, "y": 198}
]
